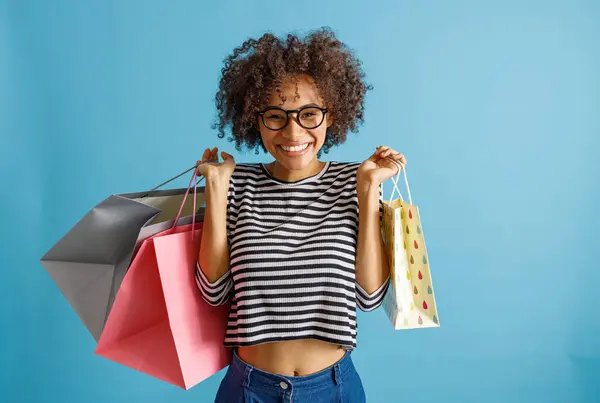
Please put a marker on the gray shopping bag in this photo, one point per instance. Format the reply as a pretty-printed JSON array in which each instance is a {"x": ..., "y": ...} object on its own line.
[{"x": 89, "y": 263}]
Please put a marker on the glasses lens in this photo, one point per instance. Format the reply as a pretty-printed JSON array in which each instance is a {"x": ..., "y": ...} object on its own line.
[
  {"x": 310, "y": 118},
  {"x": 274, "y": 119}
]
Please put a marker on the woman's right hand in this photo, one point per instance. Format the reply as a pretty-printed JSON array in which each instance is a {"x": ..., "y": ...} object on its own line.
[{"x": 216, "y": 171}]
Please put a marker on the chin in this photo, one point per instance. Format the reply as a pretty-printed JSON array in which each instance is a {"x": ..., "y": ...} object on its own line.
[{"x": 295, "y": 165}]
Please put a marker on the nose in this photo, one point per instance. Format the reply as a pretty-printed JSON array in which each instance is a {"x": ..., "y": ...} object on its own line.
[{"x": 293, "y": 129}]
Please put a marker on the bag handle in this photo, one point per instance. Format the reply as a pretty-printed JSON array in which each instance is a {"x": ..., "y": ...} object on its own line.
[
  {"x": 175, "y": 177},
  {"x": 195, "y": 184},
  {"x": 192, "y": 180},
  {"x": 401, "y": 169}
]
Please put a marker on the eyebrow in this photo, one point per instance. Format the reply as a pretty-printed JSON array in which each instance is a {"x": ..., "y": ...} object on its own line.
[{"x": 303, "y": 106}]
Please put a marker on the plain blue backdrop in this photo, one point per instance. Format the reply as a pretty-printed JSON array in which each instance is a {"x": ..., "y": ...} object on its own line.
[{"x": 496, "y": 105}]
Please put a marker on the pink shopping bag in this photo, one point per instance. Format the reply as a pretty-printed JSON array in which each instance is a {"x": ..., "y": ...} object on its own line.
[{"x": 159, "y": 323}]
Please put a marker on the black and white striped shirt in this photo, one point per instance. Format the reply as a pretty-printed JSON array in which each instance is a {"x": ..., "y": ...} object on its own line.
[{"x": 292, "y": 249}]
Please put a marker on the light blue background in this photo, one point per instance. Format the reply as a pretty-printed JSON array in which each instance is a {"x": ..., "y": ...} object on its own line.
[{"x": 496, "y": 105}]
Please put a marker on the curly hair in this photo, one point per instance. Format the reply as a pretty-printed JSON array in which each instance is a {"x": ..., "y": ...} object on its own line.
[{"x": 258, "y": 67}]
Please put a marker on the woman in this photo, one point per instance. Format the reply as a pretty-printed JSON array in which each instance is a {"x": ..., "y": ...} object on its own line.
[{"x": 283, "y": 242}]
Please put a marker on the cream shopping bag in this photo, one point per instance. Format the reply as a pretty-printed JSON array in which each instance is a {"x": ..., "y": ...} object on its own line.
[{"x": 410, "y": 300}]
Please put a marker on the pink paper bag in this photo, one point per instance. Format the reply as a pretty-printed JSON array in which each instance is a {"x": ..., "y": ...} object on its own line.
[{"x": 159, "y": 323}]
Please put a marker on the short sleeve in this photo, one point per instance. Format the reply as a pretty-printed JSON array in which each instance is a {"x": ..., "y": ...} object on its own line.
[
  {"x": 367, "y": 302},
  {"x": 217, "y": 292}
]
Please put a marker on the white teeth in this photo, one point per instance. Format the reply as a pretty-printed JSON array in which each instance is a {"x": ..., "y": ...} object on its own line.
[{"x": 295, "y": 148}]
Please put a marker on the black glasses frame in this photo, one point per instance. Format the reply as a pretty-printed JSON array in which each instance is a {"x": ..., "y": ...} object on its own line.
[{"x": 287, "y": 116}]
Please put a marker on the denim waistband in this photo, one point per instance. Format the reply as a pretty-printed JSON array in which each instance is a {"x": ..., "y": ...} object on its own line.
[{"x": 254, "y": 377}]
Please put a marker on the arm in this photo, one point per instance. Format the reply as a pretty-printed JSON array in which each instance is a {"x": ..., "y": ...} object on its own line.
[
  {"x": 214, "y": 248},
  {"x": 213, "y": 276},
  {"x": 212, "y": 271},
  {"x": 372, "y": 270}
]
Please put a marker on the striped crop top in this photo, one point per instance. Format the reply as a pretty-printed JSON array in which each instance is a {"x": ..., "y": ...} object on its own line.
[{"x": 292, "y": 252}]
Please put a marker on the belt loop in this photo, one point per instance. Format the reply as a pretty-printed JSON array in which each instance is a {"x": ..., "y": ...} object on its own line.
[
  {"x": 247, "y": 372},
  {"x": 337, "y": 374}
]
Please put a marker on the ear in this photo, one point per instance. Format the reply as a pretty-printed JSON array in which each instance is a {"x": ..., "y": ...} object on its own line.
[{"x": 329, "y": 118}]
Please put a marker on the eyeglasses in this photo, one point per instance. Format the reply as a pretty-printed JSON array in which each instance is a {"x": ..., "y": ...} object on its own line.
[{"x": 309, "y": 117}]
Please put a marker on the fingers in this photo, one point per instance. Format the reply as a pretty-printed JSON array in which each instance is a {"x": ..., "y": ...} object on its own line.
[
  {"x": 374, "y": 157},
  {"x": 210, "y": 165},
  {"x": 226, "y": 157},
  {"x": 387, "y": 152},
  {"x": 211, "y": 155},
  {"x": 390, "y": 158},
  {"x": 378, "y": 154},
  {"x": 394, "y": 165},
  {"x": 397, "y": 158},
  {"x": 206, "y": 154}
]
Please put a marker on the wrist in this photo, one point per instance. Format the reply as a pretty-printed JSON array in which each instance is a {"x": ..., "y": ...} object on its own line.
[
  {"x": 366, "y": 182},
  {"x": 216, "y": 187},
  {"x": 368, "y": 192}
]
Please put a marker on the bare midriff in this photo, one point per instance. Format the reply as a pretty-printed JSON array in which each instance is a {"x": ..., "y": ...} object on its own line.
[{"x": 292, "y": 358}]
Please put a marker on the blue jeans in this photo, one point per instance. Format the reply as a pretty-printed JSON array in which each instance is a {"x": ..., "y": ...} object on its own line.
[{"x": 243, "y": 383}]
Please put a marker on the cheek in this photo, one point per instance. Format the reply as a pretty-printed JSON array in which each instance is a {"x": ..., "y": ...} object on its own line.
[
  {"x": 267, "y": 137},
  {"x": 320, "y": 135}
]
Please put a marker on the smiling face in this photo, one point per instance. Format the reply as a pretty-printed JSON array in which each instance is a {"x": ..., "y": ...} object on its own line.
[{"x": 294, "y": 147}]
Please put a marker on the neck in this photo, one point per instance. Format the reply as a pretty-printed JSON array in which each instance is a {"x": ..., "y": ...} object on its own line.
[{"x": 291, "y": 175}]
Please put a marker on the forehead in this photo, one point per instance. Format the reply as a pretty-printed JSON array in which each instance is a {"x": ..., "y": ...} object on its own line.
[{"x": 295, "y": 93}]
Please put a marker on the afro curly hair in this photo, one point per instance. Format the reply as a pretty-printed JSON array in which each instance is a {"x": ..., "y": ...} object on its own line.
[{"x": 259, "y": 66}]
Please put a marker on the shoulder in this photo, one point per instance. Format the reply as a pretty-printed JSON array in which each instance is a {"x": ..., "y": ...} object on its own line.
[
  {"x": 343, "y": 169},
  {"x": 246, "y": 171}
]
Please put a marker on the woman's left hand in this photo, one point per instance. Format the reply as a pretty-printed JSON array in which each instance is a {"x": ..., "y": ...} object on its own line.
[{"x": 379, "y": 167}]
